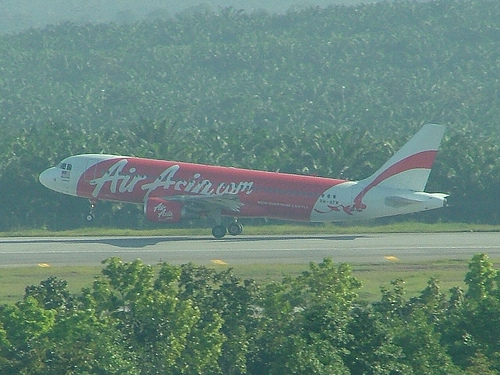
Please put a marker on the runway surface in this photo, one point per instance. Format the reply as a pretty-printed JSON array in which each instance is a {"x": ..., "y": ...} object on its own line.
[{"x": 353, "y": 249}]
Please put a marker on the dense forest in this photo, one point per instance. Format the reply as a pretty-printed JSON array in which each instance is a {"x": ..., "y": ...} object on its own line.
[
  {"x": 326, "y": 91},
  {"x": 136, "y": 319}
]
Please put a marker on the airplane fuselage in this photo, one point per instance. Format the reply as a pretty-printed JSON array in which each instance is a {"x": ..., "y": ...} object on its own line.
[{"x": 261, "y": 194}]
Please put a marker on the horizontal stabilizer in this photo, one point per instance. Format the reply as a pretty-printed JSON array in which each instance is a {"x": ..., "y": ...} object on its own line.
[
  {"x": 396, "y": 201},
  {"x": 408, "y": 199}
]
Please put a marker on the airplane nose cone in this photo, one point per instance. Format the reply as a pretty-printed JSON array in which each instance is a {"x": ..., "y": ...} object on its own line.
[{"x": 48, "y": 178}]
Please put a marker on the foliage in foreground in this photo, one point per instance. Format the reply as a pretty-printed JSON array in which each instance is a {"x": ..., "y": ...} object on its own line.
[{"x": 136, "y": 319}]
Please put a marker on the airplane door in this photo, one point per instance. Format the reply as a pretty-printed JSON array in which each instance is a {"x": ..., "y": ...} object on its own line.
[{"x": 91, "y": 170}]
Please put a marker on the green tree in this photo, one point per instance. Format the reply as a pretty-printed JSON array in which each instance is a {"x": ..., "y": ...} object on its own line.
[
  {"x": 481, "y": 278},
  {"x": 23, "y": 331},
  {"x": 303, "y": 327},
  {"x": 234, "y": 299},
  {"x": 415, "y": 328},
  {"x": 168, "y": 333},
  {"x": 51, "y": 293},
  {"x": 372, "y": 349}
]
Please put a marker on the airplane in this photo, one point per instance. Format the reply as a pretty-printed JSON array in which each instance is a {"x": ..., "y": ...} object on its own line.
[{"x": 172, "y": 191}]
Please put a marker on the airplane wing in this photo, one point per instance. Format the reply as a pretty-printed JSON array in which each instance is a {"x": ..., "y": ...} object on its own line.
[{"x": 230, "y": 202}]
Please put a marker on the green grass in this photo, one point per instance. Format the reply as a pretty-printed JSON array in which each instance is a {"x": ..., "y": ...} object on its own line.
[
  {"x": 450, "y": 273},
  {"x": 13, "y": 281},
  {"x": 271, "y": 229}
]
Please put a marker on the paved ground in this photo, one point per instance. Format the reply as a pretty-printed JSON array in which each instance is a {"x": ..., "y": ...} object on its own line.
[{"x": 353, "y": 249}]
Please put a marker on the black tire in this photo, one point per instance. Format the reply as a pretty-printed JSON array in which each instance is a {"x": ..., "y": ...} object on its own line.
[
  {"x": 235, "y": 229},
  {"x": 219, "y": 231}
]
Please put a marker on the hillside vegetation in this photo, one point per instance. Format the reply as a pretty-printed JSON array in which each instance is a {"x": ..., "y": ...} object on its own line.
[{"x": 331, "y": 91}]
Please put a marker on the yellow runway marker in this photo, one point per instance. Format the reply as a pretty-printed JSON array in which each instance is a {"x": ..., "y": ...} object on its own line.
[
  {"x": 219, "y": 262},
  {"x": 392, "y": 258},
  {"x": 44, "y": 265}
]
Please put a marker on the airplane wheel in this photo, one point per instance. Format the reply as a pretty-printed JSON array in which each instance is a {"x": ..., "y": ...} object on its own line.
[
  {"x": 90, "y": 217},
  {"x": 235, "y": 229},
  {"x": 219, "y": 231}
]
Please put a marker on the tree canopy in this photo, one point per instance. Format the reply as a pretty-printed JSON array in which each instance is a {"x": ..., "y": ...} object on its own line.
[{"x": 138, "y": 319}]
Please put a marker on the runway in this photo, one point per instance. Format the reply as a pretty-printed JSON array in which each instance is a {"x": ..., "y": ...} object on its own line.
[{"x": 353, "y": 249}]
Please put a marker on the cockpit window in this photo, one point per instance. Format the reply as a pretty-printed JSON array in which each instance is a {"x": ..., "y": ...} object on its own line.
[{"x": 66, "y": 166}]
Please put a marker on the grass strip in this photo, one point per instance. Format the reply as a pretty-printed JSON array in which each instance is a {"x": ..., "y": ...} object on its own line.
[
  {"x": 271, "y": 229},
  {"x": 450, "y": 273}
]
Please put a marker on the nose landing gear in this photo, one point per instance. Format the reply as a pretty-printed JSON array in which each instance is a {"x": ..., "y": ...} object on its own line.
[{"x": 91, "y": 214}]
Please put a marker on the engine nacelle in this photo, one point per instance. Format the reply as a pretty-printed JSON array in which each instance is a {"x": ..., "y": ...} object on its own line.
[{"x": 161, "y": 210}]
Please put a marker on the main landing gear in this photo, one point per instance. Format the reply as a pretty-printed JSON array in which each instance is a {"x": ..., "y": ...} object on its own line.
[{"x": 233, "y": 229}]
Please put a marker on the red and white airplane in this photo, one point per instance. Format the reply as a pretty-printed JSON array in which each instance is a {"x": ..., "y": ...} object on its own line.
[{"x": 171, "y": 191}]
